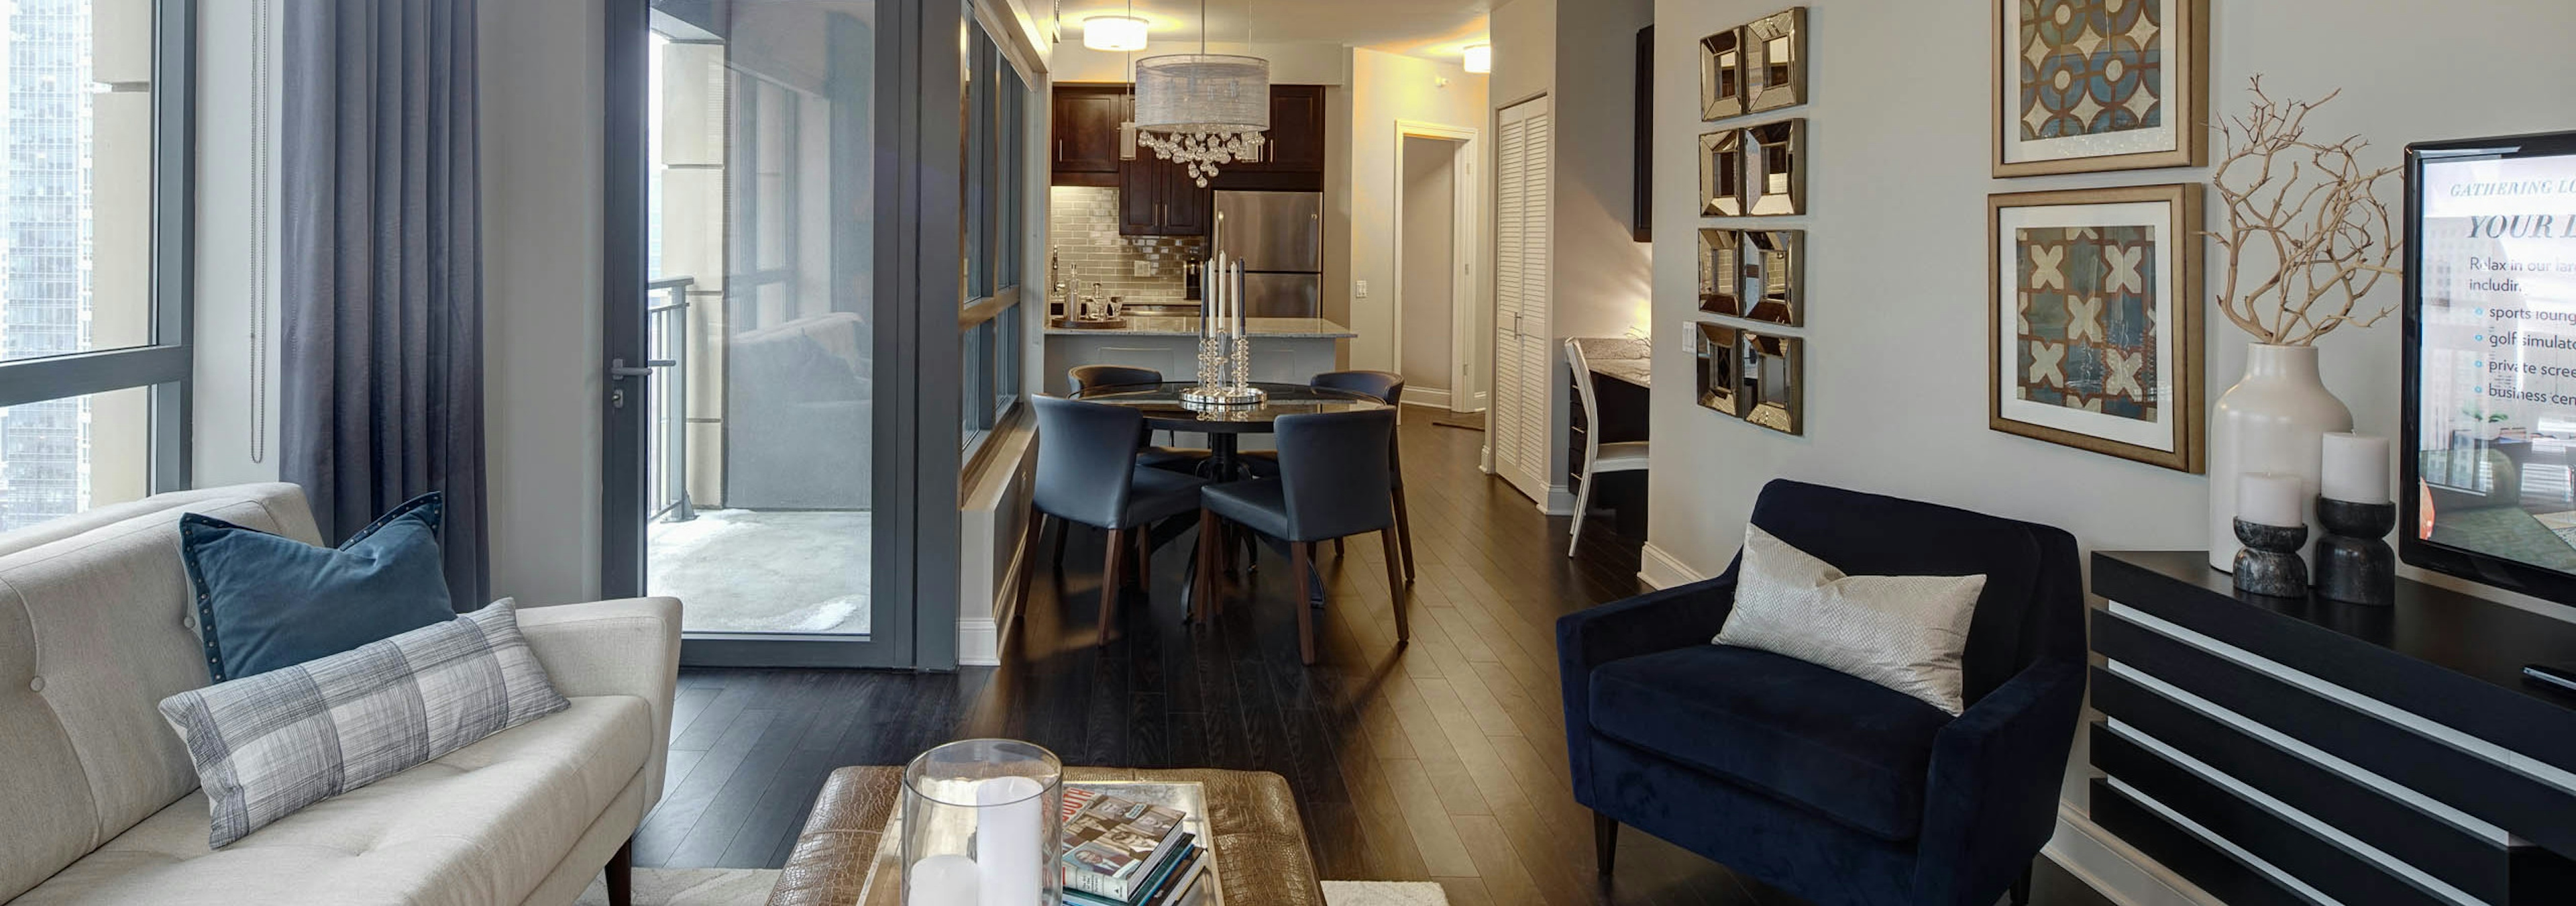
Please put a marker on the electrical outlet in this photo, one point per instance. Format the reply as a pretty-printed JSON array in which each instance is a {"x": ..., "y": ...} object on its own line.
[
  {"x": 1144, "y": 268},
  {"x": 1359, "y": 289}
]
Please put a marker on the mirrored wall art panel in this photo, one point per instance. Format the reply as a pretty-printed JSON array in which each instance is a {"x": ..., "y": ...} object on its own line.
[
  {"x": 1721, "y": 272},
  {"x": 1775, "y": 168},
  {"x": 1774, "y": 264},
  {"x": 1721, "y": 74},
  {"x": 1721, "y": 173},
  {"x": 1775, "y": 61},
  {"x": 1773, "y": 384},
  {"x": 1721, "y": 376}
]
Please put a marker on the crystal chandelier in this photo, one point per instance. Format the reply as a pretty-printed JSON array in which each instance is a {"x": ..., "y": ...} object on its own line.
[{"x": 1203, "y": 109}]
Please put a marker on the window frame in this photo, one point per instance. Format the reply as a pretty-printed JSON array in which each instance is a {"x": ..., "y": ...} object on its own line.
[
  {"x": 167, "y": 365},
  {"x": 1000, "y": 157}
]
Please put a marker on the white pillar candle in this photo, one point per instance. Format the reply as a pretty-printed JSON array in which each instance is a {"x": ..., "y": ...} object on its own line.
[
  {"x": 2356, "y": 468},
  {"x": 1009, "y": 822},
  {"x": 943, "y": 881},
  {"x": 2269, "y": 498}
]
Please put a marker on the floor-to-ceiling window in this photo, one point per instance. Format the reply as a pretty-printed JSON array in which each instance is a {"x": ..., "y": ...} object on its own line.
[
  {"x": 94, "y": 351},
  {"x": 996, "y": 185}
]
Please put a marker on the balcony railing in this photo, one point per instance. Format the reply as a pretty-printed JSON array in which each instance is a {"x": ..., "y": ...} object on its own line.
[{"x": 666, "y": 339}]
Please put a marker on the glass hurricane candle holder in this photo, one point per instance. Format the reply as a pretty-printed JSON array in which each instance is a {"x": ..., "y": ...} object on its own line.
[{"x": 981, "y": 824}]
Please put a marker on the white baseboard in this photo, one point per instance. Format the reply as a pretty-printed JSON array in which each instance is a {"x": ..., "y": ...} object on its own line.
[
  {"x": 1559, "y": 502},
  {"x": 979, "y": 643},
  {"x": 2112, "y": 867},
  {"x": 1417, "y": 396},
  {"x": 1660, "y": 570}
]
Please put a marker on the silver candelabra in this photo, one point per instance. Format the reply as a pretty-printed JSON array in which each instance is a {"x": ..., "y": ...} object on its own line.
[{"x": 1225, "y": 347}]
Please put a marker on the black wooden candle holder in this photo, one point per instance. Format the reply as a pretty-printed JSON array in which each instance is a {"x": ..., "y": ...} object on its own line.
[
  {"x": 2269, "y": 563},
  {"x": 2354, "y": 563}
]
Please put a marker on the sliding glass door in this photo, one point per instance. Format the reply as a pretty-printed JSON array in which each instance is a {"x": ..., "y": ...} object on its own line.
[{"x": 801, "y": 195}]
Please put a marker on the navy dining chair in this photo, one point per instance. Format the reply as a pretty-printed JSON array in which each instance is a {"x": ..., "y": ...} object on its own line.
[
  {"x": 1088, "y": 475},
  {"x": 1334, "y": 481}
]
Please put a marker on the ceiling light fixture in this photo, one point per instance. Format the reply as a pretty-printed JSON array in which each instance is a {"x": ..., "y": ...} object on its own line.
[
  {"x": 1116, "y": 34},
  {"x": 1203, "y": 109},
  {"x": 1480, "y": 58}
]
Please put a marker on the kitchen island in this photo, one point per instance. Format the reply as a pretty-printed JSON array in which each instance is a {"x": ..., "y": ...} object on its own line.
[{"x": 1291, "y": 350}]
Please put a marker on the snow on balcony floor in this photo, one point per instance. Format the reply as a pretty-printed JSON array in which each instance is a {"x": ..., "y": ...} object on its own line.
[{"x": 765, "y": 571}]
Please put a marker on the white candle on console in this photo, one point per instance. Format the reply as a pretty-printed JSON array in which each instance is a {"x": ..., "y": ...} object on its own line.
[
  {"x": 2356, "y": 468},
  {"x": 1009, "y": 822},
  {"x": 943, "y": 881},
  {"x": 2269, "y": 498}
]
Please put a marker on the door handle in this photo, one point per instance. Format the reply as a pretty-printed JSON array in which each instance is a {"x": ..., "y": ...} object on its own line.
[
  {"x": 1059, "y": 150},
  {"x": 618, "y": 370}
]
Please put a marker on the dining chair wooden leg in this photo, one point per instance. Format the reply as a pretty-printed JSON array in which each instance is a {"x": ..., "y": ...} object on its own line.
[
  {"x": 1403, "y": 533},
  {"x": 1063, "y": 528},
  {"x": 1144, "y": 571},
  {"x": 1395, "y": 587},
  {"x": 1203, "y": 591},
  {"x": 1338, "y": 552},
  {"x": 1109, "y": 583},
  {"x": 1297, "y": 563}
]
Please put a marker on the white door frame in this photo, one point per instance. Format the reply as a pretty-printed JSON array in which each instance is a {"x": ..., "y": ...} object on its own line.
[{"x": 1466, "y": 246}]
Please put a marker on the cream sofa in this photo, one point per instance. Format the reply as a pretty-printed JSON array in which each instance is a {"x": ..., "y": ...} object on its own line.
[{"x": 98, "y": 802}]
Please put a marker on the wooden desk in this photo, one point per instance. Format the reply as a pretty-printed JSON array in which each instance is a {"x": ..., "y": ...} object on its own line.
[{"x": 1623, "y": 375}]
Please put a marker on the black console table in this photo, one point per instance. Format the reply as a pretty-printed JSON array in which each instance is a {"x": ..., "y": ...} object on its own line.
[{"x": 2293, "y": 751}]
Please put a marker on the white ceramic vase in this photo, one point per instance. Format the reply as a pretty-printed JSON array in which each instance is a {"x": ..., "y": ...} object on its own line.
[{"x": 2274, "y": 420}]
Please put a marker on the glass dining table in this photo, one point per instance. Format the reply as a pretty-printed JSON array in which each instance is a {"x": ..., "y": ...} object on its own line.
[{"x": 1225, "y": 426}]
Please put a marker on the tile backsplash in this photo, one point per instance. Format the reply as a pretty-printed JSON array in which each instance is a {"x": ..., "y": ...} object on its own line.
[{"x": 1082, "y": 221}]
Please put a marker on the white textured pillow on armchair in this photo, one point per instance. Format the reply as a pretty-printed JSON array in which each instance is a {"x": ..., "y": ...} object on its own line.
[{"x": 1907, "y": 633}]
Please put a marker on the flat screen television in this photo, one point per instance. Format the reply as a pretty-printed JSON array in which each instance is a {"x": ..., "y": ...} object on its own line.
[{"x": 2489, "y": 435}]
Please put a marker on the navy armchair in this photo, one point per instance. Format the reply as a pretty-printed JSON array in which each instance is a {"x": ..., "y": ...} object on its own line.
[{"x": 1830, "y": 787}]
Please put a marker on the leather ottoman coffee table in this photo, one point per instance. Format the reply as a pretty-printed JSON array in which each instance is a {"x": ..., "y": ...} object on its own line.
[{"x": 1260, "y": 848}]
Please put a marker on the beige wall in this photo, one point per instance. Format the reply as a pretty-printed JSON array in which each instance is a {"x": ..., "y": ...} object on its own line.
[
  {"x": 1428, "y": 294},
  {"x": 542, "y": 100},
  {"x": 1387, "y": 89},
  {"x": 1898, "y": 179}
]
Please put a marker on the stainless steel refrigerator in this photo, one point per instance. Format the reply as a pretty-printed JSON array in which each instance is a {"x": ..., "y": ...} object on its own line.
[{"x": 1279, "y": 237}]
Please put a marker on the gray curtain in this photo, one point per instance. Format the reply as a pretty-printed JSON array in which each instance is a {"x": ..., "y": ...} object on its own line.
[{"x": 383, "y": 274}]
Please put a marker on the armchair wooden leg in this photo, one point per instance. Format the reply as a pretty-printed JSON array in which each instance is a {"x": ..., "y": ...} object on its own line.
[
  {"x": 1605, "y": 842},
  {"x": 1395, "y": 587},
  {"x": 2021, "y": 888},
  {"x": 1109, "y": 583},
  {"x": 1297, "y": 563},
  {"x": 620, "y": 875},
  {"x": 1338, "y": 552}
]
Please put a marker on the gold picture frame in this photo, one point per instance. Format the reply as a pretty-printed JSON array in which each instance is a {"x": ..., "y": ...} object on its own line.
[
  {"x": 1775, "y": 168},
  {"x": 1720, "y": 367},
  {"x": 2052, "y": 115},
  {"x": 1774, "y": 394},
  {"x": 1721, "y": 272},
  {"x": 1721, "y": 74},
  {"x": 2093, "y": 321}
]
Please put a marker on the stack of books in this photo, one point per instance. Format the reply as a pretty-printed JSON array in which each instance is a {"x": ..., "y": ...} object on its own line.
[{"x": 1119, "y": 852}]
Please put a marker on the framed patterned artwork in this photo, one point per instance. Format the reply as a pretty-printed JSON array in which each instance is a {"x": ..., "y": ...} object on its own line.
[
  {"x": 1775, "y": 61},
  {"x": 1775, "y": 168},
  {"x": 1774, "y": 389},
  {"x": 2093, "y": 321},
  {"x": 1721, "y": 74},
  {"x": 1721, "y": 378},
  {"x": 1721, "y": 173},
  {"x": 2091, "y": 85}
]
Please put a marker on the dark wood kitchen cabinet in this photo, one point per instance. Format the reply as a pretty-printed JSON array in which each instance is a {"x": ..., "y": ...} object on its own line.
[
  {"x": 1158, "y": 198},
  {"x": 1086, "y": 134}
]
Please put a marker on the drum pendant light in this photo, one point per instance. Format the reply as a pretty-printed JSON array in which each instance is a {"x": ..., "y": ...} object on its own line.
[{"x": 1203, "y": 109}]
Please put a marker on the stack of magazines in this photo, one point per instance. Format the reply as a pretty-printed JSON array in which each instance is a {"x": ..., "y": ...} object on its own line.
[{"x": 1118, "y": 852}]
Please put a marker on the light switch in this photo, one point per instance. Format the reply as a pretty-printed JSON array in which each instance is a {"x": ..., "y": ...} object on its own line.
[{"x": 1359, "y": 288}]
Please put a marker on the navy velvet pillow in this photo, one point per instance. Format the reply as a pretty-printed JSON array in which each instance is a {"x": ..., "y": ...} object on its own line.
[{"x": 265, "y": 602}]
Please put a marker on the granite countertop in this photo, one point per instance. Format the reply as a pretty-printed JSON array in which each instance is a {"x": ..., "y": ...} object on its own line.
[
  {"x": 1187, "y": 326},
  {"x": 1626, "y": 358}
]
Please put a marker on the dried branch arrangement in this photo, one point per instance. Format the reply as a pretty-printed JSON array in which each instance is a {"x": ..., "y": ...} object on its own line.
[{"x": 2315, "y": 207}]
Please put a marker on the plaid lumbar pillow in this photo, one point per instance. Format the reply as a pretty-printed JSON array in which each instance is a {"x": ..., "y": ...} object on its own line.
[{"x": 270, "y": 744}]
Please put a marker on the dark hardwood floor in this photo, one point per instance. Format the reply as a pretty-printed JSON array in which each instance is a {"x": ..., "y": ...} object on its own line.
[{"x": 1444, "y": 760}]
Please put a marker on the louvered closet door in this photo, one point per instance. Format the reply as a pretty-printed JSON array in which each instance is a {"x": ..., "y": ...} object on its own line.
[{"x": 1521, "y": 286}]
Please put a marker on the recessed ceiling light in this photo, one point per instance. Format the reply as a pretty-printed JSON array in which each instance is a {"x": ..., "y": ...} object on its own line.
[
  {"x": 1119, "y": 34},
  {"x": 1480, "y": 58}
]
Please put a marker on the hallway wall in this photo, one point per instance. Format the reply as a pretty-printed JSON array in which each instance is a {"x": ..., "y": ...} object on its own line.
[
  {"x": 1427, "y": 294},
  {"x": 1386, "y": 89}
]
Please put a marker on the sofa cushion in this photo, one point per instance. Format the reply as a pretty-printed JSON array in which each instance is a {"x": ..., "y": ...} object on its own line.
[
  {"x": 1903, "y": 632},
  {"x": 266, "y": 602},
  {"x": 483, "y": 824},
  {"x": 1847, "y": 748},
  {"x": 270, "y": 744},
  {"x": 96, "y": 626}
]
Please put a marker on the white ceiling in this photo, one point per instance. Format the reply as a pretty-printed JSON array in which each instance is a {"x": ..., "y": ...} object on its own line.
[{"x": 1428, "y": 28}]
